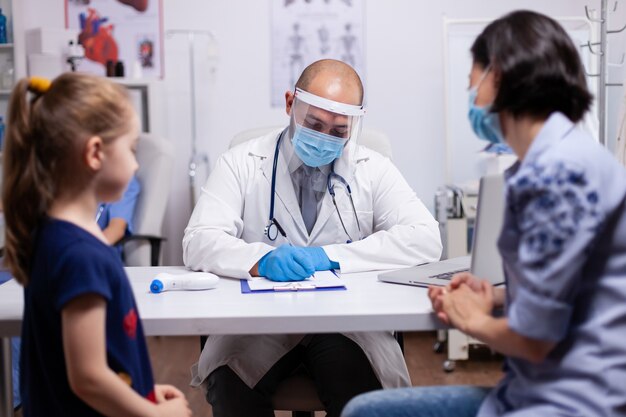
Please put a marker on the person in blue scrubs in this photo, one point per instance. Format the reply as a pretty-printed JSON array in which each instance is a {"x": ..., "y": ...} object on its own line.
[
  {"x": 563, "y": 244},
  {"x": 116, "y": 219},
  {"x": 5, "y": 276}
]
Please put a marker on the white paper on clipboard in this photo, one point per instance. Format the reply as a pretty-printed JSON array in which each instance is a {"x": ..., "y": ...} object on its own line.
[{"x": 321, "y": 279}]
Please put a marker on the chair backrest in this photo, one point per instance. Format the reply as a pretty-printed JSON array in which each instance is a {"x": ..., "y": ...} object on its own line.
[
  {"x": 370, "y": 138},
  {"x": 155, "y": 157}
]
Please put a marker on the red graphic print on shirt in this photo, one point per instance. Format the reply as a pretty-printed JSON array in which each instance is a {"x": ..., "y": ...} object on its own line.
[
  {"x": 151, "y": 397},
  {"x": 130, "y": 323}
]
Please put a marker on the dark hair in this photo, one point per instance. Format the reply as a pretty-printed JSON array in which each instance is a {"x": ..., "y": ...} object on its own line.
[
  {"x": 46, "y": 133},
  {"x": 538, "y": 67}
]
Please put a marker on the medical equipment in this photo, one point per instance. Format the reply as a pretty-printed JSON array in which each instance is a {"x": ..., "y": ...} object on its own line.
[
  {"x": 600, "y": 48},
  {"x": 198, "y": 161},
  {"x": 315, "y": 148},
  {"x": 273, "y": 227},
  {"x": 331, "y": 190},
  {"x": 188, "y": 281}
]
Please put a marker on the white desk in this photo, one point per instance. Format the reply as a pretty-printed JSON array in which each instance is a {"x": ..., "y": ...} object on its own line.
[{"x": 366, "y": 305}]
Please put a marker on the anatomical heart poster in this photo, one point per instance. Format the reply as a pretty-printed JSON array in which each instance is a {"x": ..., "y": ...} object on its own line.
[{"x": 118, "y": 36}]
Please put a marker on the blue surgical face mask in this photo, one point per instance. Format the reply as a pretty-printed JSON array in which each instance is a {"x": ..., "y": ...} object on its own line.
[
  {"x": 315, "y": 148},
  {"x": 485, "y": 124}
]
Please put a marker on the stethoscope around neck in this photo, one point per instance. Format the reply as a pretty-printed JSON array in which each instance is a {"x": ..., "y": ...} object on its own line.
[{"x": 274, "y": 228}]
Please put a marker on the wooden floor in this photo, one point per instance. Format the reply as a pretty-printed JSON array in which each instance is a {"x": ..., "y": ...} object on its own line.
[{"x": 173, "y": 356}]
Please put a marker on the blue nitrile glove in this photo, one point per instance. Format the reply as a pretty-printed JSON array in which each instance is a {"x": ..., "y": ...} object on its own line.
[
  {"x": 286, "y": 263},
  {"x": 320, "y": 259}
]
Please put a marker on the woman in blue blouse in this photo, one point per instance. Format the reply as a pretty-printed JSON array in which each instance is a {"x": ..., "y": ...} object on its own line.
[{"x": 563, "y": 244}]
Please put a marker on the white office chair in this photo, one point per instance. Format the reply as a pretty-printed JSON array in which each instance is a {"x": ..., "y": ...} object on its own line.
[
  {"x": 297, "y": 393},
  {"x": 155, "y": 157}
]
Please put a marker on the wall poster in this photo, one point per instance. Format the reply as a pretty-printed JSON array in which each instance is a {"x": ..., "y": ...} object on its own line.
[
  {"x": 304, "y": 31},
  {"x": 112, "y": 31}
]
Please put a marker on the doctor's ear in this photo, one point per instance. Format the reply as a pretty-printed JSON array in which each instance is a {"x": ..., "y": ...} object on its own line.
[
  {"x": 289, "y": 96},
  {"x": 93, "y": 153}
]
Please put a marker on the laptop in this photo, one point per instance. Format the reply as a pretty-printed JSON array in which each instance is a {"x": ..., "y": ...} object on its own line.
[{"x": 484, "y": 262}]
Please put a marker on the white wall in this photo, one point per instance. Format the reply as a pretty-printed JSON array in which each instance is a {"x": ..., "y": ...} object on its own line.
[{"x": 404, "y": 85}]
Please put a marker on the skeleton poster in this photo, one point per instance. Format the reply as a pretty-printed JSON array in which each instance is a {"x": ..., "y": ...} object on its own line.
[{"x": 304, "y": 31}]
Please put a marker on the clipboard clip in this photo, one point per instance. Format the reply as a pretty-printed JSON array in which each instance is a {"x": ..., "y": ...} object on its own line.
[{"x": 295, "y": 286}]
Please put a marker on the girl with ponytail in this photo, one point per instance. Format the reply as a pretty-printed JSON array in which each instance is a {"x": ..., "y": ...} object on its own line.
[{"x": 70, "y": 145}]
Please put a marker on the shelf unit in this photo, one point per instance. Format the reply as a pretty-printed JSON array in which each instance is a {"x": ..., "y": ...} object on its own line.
[{"x": 12, "y": 52}]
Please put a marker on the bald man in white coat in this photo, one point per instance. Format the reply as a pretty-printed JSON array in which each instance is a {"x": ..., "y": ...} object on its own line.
[{"x": 226, "y": 236}]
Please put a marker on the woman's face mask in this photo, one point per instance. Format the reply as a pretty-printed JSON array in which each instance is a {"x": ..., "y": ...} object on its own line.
[
  {"x": 485, "y": 124},
  {"x": 315, "y": 148}
]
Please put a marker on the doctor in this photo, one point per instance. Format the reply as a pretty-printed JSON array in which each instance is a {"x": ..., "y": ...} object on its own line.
[{"x": 301, "y": 199}]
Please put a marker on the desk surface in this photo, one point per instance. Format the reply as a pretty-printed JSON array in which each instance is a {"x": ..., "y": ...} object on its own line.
[{"x": 366, "y": 305}]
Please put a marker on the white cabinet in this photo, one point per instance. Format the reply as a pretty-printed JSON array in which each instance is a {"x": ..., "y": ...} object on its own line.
[
  {"x": 12, "y": 61},
  {"x": 7, "y": 68},
  {"x": 146, "y": 96}
]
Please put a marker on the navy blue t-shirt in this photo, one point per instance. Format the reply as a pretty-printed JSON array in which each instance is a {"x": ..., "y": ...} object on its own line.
[{"x": 69, "y": 262}]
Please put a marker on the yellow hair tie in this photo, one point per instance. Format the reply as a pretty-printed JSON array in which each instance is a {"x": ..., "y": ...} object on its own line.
[{"x": 39, "y": 84}]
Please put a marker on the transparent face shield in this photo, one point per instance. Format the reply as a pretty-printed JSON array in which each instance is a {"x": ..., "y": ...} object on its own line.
[{"x": 322, "y": 130}]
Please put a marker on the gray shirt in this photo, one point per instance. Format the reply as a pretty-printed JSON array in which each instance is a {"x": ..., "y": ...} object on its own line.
[{"x": 563, "y": 246}]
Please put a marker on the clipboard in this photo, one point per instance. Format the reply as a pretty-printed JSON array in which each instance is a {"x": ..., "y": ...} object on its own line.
[{"x": 327, "y": 281}]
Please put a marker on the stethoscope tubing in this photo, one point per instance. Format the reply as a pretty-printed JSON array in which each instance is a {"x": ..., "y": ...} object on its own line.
[{"x": 331, "y": 190}]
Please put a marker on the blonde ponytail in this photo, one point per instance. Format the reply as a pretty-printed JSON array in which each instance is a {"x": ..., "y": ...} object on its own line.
[{"x": 25, "y": 194}]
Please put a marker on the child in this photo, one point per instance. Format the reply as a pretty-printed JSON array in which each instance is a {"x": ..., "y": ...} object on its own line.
[{"x": 69, "y": 146}]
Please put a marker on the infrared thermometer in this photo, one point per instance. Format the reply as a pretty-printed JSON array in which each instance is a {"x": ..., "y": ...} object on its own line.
[{"x": 194, "y": 281}]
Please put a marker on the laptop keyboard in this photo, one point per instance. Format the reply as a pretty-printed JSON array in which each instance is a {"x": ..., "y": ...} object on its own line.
[{"x": 448, "y": 275}]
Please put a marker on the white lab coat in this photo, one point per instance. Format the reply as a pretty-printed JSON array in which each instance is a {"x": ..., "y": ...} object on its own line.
[{"x": 225, "y": 236}]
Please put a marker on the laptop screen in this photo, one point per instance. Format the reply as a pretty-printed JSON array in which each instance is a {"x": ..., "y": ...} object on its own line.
[{"x": 486, "y": 260}]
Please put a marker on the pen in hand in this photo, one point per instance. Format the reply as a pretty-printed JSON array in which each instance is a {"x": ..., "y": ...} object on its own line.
[
  {"x": 282, "y": 232},
  {"x": 286, "y": 263}
]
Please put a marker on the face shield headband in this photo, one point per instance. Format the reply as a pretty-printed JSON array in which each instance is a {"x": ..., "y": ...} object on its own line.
[{"x": 329, "y": 105}]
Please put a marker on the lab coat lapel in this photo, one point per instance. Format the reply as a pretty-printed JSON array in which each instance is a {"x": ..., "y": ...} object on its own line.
[{"x": 285, "y": 193}]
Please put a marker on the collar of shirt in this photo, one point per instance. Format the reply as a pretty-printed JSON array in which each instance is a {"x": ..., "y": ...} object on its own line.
[{"x": 556, "y": 127}]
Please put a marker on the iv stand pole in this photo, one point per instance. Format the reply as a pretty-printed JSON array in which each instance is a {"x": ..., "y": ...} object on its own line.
[{"x": 195, "y": 159}]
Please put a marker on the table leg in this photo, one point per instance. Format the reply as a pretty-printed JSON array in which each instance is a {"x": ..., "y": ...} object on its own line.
[{"x": 6, "y": 381}]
